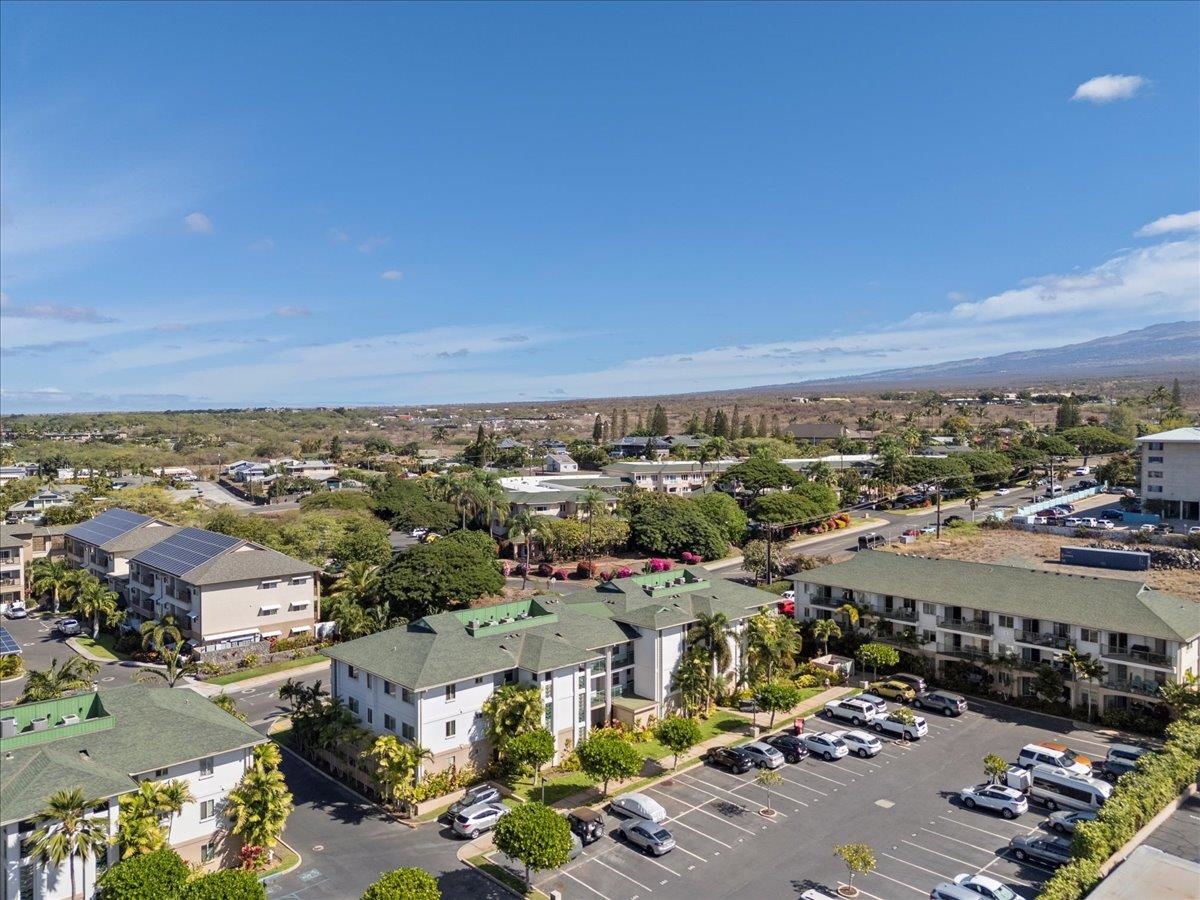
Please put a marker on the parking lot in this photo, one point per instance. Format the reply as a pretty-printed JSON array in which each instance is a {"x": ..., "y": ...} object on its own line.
[{"x": 903, "y": 803}]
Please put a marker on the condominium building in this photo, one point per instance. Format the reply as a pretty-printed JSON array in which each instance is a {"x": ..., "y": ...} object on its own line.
[
  {"x": 669, "y": 476},
  {"x": 561, "y": 497},
  {"x": 601, "y": 654},
  {"x": 1009, "y": 621},
  {"x": 104, "y": 545},
  {"x": 1171, "y": 472},
  {"x": 15, "y": 555},
  {"x": 105, "y": 743}
]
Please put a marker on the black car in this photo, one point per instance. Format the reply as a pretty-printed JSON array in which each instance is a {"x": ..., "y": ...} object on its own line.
[
  {"x": 1115, "y": 514},
  {"x": 951, "y": 520},
  {"x": 1114, "y": 767},
  {"x": 736, "y": 761},
  {"x": 587, "y": 823},
  {"x": 790, "y": 745}
]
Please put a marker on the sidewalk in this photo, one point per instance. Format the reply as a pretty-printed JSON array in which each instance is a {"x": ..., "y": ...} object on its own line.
[
  {"x": 870, "y": 523},
  {"x": 204, "y": 689}
]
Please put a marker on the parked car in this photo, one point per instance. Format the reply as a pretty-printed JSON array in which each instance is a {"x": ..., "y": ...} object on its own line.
[
  {"x": 586, "y": 823},
  {"x": 1164, "y": 528},
  {"x": 815, "y": 894},
  {"x": 787, "y": 607},
  {"x": 878, "y": 702},
  {"x": 1074, "y": 522},
  {"x": 1083, "y": 470},
  {"x": 481, "y": 817},
  {"x": 948, "y": 890},
  {"x": 941, "y": 701},
  {"x": 67, "y": 627},
  {"x": 911, "y": 532},
  {"x": 1053, "y": 850},
  {"x": 855, "y": 711},
  {"x": 891, "y": 725},
  {"x": 983, "y": 886},
  {"x": 1194, "y": 529},
  {"x": 790, "y": 745},
  {"x": 764, "y": 755},
  {"x": 1114, "y": 768},
  {"x": 1065, "y": 821},
  {"x": 1003, "y": 492},
  {"x": 825, "y": 746},
  {"x": 418, "y": 532},
  {"x": 952, "y": 520},
  {"x": 648, "y": 836},
  {"x": 1125, "y": 751},
  {"x": 916, "y": 682},
  {"x": 893, "y": 690},
  {"x": 860, "y": 742},
  {"x": 1056, "y": 756},
  {"x": 640, "y": 806},
  {"x": 1113, "y": 514},
  {"x": 16, "y": 610},
  {"x": 929, "y": 529},
  {"x": 732, "y": 758},
  {"x": 1009, "y": 802},
  {"x": 576, "y": 847}
]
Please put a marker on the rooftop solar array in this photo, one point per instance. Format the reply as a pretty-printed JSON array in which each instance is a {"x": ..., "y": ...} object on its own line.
[
  {"x": 109, "y": 524},
  {"x": 7, "y": 645},
  {"x": 186, "y": 549}
]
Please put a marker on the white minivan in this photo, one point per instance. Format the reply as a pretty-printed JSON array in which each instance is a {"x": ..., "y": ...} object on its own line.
[{"x": 1058, "y": 789}]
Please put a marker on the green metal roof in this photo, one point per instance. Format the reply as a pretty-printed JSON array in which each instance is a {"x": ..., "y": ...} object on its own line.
[
  {"x": 141, "y": 729},
  {"x": 1111, "y": 604}
]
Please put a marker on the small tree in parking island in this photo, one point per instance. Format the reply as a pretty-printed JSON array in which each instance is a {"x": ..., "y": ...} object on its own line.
[
  {"x": 877, "y": 656},
  {"x": 678, "y": 734},
  {"x": 768, "y": 778},
  {"x": 606, "y": 755},
  {"x": 404, "y": 884},
  {"x": 858, "y": 858},
  {"x": 536, "y": 835},
  {"x": 994, "y": 767}
]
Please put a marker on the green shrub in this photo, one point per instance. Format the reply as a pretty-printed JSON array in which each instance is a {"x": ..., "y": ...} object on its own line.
[
  {"x": 807, "y": 681},
  {"x": 228, "y": 884},
  {"x": 1071, "y": 881},
  {"x": 404, "y": 884},
  {"x": 158, "y": 874}
]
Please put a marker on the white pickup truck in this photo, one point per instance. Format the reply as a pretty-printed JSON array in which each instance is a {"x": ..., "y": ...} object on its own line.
[
  {"x": 891, "y": 725},
  {"x": 856, "y": 712}
]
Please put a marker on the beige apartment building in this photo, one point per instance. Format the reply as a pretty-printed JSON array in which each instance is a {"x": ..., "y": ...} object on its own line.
[
  {"x": 16, "y": 553},
  {"x": 1171, "y": 472},
  {"x": 104, "y": 545}
]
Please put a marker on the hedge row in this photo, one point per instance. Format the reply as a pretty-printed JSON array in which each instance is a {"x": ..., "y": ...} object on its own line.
[{"x": 1138, "y": 797}]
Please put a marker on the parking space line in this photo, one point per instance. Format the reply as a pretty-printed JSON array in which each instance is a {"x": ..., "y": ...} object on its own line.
[
  {"x": 1003, "y": 837},
  {"x": 1026, "y": 862},
  {"x": 939, "y": 875},
  {"x": 585, "y": 884},
  {"x": 651, "y": 859},
  {"x": 701, "y": 809},
  {"x": 601, "y": 862},
  {"x": 955, "y": 859},
  {"x": 777, "y": 793},
  {"x": 690, "y": 853},
  {"x": 958, "y": 841},
  {"x": 826, "y": 778},
  {"x": 803, "y": 785},
  {"x": 899, "y": 882},
  {"x": 715, "y": 797},
  {"x": 999, "y": 858},
  {"x": 702, "y": 834}
]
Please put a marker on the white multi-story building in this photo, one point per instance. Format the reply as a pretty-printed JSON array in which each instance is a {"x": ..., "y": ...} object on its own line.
[
  {"x": 106, "y": 743},
  {"x": 1010, "y": 621},
  {"x": 669, "y": 476},
  {"x": 1171, "y": 472},
  {"x": 598, "y": 654}
]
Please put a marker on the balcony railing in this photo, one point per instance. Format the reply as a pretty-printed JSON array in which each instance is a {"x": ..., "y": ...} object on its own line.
[
  {"x": 1043, "y": 639},
  {"x": 899, "y": 613},
  {"x": 1145, "y": 657},
  {"x": 972, "y": 625},
  {"x": 973, "y": 653},
  {"x": 1148, "y": 688},
  {"x": 827, "y": 602},
  {"x": 621, "y": 660}
]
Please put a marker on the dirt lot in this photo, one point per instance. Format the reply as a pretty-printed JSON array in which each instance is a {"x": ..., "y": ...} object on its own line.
[{"x": 1040, "y": 551}]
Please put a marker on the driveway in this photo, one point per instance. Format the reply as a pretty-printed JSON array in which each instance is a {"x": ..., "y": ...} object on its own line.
[{"x": 346, "y": 844}]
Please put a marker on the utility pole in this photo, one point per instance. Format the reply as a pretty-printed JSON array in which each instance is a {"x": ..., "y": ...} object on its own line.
[
  {"x": 770, "y": 531},
  {"x": 938, "y": 487}
]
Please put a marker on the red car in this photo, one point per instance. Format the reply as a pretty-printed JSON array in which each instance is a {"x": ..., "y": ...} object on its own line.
[
  {"x": 787, "y": 608},
  {"x": 913, "y": 532}
]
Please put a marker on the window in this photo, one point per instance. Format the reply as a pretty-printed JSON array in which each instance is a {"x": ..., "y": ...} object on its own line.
[
  {"x": 352, "y": 672},
  {"x": 160, "y": 773},
  {"x": 451, "y": 728},
  {"x": 546, "y": 676},
  {"x": 1154, "y": 473},
  {"x": 208, "y": 852},
  {"x": 370, "y": 715},
  {"x": 268, "y": 585},
  {"x": 1155, "y": 445},
  {"x": 206, "y": 767},
  {"x": 208, "y": 809},
  {"x": 369, "y": 681},
  {"x": 353, "y": 704},
  {"x": 1154, "y": 459},
  {"x": 1004, "y": 621},
  {"x": 268, "y": 610},
  {"x": 389, "y": 722},
  {"x": 479, "y": 679},
  {"x": 929, "y": 609},
  {"x": 1089, "y": 635},
  {"x": 300, "y": 629},
  {"x": 407, "y": 732},
  {"x": 303, "y": 579},
  {"x": 406, "y": 695},
  {"x": 297, "y": 605},
  {"x": 1154, "y": 489},
  {"x": 451, "y": 692},
  {"x": 389, "y": 688}
]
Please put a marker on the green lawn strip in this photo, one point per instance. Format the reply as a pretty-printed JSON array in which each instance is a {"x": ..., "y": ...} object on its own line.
[
  {"x": 104, "y": 648},
  {"x": 720, "y": 722},
  {"x": 557, "y": 787},
  {"x": 505, "y": 877},
  {"x": 282, "y": 666},
  {"x": 285, "y": 858}
]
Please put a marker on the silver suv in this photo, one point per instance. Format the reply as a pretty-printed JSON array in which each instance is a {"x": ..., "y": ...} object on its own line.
[
  {"x": 941, "y": 701},
  {"x": 479, "y": 818}
]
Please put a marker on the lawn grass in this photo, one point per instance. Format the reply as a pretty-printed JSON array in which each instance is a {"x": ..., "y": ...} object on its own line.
[
  {"x": 282, "y": 666},
  {"x": 720, "y": 722},
  {"x": 505, "y": 877},
  {"x": 285, "y": 858},
  {"x": 104, "y": 648},
  {"x": 557, "y": 787}
]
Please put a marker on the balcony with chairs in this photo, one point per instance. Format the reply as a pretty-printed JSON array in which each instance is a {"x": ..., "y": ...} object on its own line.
[
  {"x": 971, "y": 626},
  {"x": 1136, "y": 655},
  {"x": 899, "y": 614},
  {"x": 1042, "y": 639},
  {"x": 1146, "y": 687}
]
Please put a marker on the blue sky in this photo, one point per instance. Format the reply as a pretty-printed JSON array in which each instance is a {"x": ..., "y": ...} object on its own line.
[{"x": 259, "y": 204}]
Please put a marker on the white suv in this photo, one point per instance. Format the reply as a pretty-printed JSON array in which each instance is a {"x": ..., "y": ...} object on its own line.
[{"x": 856, "y": 712}]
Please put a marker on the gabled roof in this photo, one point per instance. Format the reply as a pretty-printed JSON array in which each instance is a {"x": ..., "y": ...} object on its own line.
[
  {"x": 1111, "y": 604},
  {"x": 1188, "y": 435},
  {"x": 118, "y": 530},
  {"x": 202, "y": 557}
]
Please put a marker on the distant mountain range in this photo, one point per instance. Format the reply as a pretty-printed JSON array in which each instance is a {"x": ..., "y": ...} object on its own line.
[{"x": 1171, "y": 348}]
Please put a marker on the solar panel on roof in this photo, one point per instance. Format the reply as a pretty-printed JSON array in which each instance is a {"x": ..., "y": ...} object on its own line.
[
  {"x": 109, "y": 524},
  {"x": 185, "y": 550},
  {"x": 8, "y": 646}
]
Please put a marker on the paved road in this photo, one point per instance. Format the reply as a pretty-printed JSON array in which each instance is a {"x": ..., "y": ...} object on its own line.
[
  {"x": 345, "y": 844},
  {"x": 1180, "y": 834}
]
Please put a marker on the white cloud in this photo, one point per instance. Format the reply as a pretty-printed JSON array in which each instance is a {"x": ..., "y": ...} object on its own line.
[
  {"x": 293, "y": 312},
  {"x": 1108, "y": 88},
  {"x": 371, "y": 244},
  {"x": 1189, "y": 221},
  {"x": 52, "y": 311},
  {"x": 338, "y": 236},
  {"x": 392, "y": 275},
  {"x": 264, "y": 245},
  {"x": 198, "y": 223},
  {"x": 957, "y": 296}
]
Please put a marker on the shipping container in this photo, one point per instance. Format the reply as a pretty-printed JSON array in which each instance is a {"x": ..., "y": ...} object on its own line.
[{"x": 1129, "y": 560}]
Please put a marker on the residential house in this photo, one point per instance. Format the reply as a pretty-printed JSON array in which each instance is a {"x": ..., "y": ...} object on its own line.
[
  {"x": 105, "y": 743},
  {"x": 176, "y": 473},
  {"x": 103, "y": 546},
  {"x": 1006, "y": 622},
  {"x": 244, "y": 471},
  {"x": 223, "y": 590},
  {"x": 823, "y": 432},
  {"x": 545, "y": 495},
  {"x": 15, "y": 473},
  {"x": 314, "y": 469},
  {"x": 1171, "y": 472},
  {"x": 636, "y": 446},
  {"x": 598, "y": 655},
  {"x": 561, "y": 464},
  {"x": 33, "y": 509},
  {"x": 669, "y": 476}
]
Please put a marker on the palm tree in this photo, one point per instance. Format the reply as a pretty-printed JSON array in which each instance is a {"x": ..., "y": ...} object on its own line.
[
  {"x": 160, "y": 632},
  {"x": 591, "y": 500},
  {"x": 54, "y": 577},
  {"x": 713, "y": 632},
  {"x": 823, "y": 630},
  {"x": 95, "y": 600},
  {"x": 173, "y": 796},
  {"x": 68, "y": 828},
  {"x": 822, "y": 473},
  {"x": 76, "y": 674},
  {"x": 360, "y": 582},
  {"x": 352, "y": 620},
  {"x": 174, "y": 667},
  {"x": 850, "y": 611},
  {"x": 772, "y": 641},
  {"x": 1084, "y": 666},
  {"x": 522, "y": 527},
  {"x": 972, "y": 496},
  {"x": 259, "y": 806},
  {"x": 691, "y": 680}
]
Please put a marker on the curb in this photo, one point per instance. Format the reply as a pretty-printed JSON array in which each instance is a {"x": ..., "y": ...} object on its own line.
[
  {"x": 492, "y": 878},
  {"x": 258, "y": 680},
  {"x": 292, "y": 868}
]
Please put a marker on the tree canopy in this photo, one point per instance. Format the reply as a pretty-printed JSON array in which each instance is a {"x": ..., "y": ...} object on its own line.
[
  {"x": 605, "y": 755},
  {"x": 430, "y": 578},
  {"x": 668, "y": 525},
  {"x": 724, "y": 513},
  {"x": 404, "y": 884},
  {"x": 758, "y": 474},
  {"x": 536, "y": 835}
]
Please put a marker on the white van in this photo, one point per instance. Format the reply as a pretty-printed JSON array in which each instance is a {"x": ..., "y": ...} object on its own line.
[
  {"x": 1058, "y": 789},
  {"x": 1056, "y": 756}
]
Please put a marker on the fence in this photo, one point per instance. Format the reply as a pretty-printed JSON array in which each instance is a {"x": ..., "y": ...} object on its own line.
[{"x": 1034, "y": 508}]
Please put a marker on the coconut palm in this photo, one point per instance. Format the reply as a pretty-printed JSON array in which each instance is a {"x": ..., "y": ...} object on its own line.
[
  {"x": 352, "y": 620},
  {"x": 95, "y": 600},
  {"x": 1084, "y": 666},
  {"x": 54, "y": 577},
  {"x": 850, "y": 611},
  {"x": 158, "y": 633},
  {"x": 68, "y": 828},
  {"x": 522, "y": 527},
  {"x": 591, "y": 501},
  {"x": 174, "y": 667},
  {"x": 772, "y": 643},
  {"x": 76, "y": 674},
  {"x": 691, "y": 680},
  {"x": 259, "y": 806},
  {"x": 359, "y": 582},
  {"x": 823, "y": 630},
  {"x": 713, "y": 632}
]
